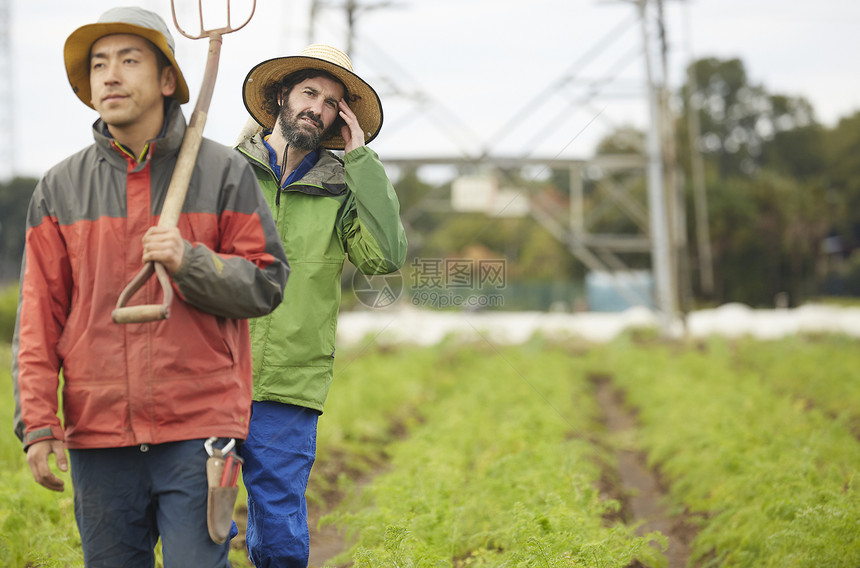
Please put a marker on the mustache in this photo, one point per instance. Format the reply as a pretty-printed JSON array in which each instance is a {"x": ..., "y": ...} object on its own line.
[{"x": 310, "y": 115}]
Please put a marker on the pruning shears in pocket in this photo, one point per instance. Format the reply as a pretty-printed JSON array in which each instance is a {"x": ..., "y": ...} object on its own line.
[{"x": 222, "y": 474}]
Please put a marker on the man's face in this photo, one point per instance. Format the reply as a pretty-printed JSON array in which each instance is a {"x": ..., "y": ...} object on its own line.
[
  {"x": 310, "y": 112},
  {"x": 127, "y": 88}
]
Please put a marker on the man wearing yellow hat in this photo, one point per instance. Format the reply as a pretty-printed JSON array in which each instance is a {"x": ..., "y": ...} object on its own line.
[
  {"x": 327, "y": 208},
  {"x": 139, "y": 400}
]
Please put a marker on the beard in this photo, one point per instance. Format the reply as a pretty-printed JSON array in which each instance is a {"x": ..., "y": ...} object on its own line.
[{"x": 298, "y": 133}]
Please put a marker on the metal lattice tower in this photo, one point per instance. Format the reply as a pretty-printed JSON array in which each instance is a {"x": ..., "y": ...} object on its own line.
[
  {"x": 659, "y": 224},
  {"x": 7, "y": 113}
]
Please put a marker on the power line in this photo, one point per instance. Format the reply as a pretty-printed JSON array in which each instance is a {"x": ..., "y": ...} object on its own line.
[{"x": 569, "y": 75}]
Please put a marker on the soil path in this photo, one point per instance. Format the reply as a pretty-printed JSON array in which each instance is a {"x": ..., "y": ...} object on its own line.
[
  {"x": 326, "y": 542},
  {"x": 642, "y": 495}
]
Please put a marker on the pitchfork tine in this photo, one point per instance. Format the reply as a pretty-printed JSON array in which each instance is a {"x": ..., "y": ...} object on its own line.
[{"x": 207, "y": 33}]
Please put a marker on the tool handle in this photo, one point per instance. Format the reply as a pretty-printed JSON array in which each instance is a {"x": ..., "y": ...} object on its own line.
[
  {"x": 232, "y": 466},
  {"x": 144, "y": 313},
  {"x": 237, "y": 468},
  {"x": 173, "y": 201},
  {"x": 228, "y": 471}
]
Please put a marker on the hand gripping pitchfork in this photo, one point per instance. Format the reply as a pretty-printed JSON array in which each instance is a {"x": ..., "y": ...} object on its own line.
[{"x": 178, "y": 187}]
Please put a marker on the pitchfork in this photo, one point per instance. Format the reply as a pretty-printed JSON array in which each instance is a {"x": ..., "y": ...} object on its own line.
[{"x": 178, "y": 187}]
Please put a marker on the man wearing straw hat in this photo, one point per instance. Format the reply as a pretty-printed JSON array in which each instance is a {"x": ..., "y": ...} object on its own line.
[
  {"x": 139, "y": 400},
  {"x": 327, "y": 208}
]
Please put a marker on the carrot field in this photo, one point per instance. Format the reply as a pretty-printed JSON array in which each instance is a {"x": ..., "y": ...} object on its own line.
[{"x": 469, "y": 454}]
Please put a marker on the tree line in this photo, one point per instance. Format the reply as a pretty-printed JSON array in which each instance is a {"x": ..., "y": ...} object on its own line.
[
  {"x": 783, "y": 201},
  {"x": 782, "y": 193}
]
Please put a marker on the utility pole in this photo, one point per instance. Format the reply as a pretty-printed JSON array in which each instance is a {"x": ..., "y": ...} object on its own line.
[
  {"x": 661, "y": 261},
  {"x": 352, "y": 9},
  {"x": 697, "y": 170},
  {"x": 674, "y": 201},
  {"x": 312, "y": 21},
  {"x": 7, "y": 114}
]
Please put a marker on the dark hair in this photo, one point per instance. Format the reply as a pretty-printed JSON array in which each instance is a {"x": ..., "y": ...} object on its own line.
[
  {"x": 273, "y": 91},
  {"x": 161, "y": 60}
]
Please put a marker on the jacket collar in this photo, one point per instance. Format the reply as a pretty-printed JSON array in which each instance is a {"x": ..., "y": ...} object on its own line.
[
  {"x": 166, "y": 144},
  {"x": 325, "y": 178}
]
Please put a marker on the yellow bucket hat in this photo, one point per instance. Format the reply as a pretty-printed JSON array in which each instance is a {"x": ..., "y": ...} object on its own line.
[
  {"x": 129, "y": 20},
  {"x": 365, "y": 102}
]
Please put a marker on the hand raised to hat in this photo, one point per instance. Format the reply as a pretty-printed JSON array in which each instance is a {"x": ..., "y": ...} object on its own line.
[{"x": 352, "y": 133}]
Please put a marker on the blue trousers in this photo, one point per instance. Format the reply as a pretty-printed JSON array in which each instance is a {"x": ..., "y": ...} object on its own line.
[
  {"x": 279, "y": 453},
  {"x": 125, "y": 498}
]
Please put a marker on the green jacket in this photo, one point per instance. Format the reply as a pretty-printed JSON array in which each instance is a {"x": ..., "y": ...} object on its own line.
[{"x": 339, "y": 209}]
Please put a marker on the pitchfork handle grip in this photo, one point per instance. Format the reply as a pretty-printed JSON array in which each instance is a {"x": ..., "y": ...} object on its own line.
[{"x": 144, "y": 313}]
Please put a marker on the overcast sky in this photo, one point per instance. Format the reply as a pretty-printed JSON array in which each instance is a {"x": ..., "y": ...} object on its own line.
[{"x": 457, "y": 77}]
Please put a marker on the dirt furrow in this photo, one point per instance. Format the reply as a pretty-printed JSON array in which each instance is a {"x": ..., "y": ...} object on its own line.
[{"x": 640, "y": 492}]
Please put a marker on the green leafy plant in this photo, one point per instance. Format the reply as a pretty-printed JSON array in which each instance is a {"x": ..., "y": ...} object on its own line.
[
  {"x": 8, "y": 312},
  {"x": 499, "y": 472},
  {"x": 471, "y": 455},
  {"x": 775, "y": 479}
]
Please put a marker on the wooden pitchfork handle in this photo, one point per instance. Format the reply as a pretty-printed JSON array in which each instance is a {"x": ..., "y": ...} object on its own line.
[{"x": 181, "y": 178}]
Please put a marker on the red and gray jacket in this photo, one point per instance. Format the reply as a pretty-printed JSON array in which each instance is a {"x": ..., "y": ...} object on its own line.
[{"x": 182, "y": 378}]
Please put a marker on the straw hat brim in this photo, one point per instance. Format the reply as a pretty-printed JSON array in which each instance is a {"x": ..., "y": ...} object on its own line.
[
  {"x": 77, "y": 56},
  {"x": 365, "y": 102}
]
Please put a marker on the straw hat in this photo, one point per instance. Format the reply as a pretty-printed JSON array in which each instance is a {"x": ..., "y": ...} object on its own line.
[
  {"x": 131, "y": 20},
  {"x": 365, "y": 104}
]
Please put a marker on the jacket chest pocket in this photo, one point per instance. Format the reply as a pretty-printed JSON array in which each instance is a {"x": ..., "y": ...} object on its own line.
[{"x": 307, "y": 225}]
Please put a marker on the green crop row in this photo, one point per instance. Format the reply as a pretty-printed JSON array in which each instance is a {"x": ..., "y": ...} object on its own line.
[
  {"x": 820, "y": 372},
  {"x": 37, "y": 526},
  {"x": 498, "y": 468},
  {"x": 774, "y": 479},
  {"x": 486, "y": 456}
]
